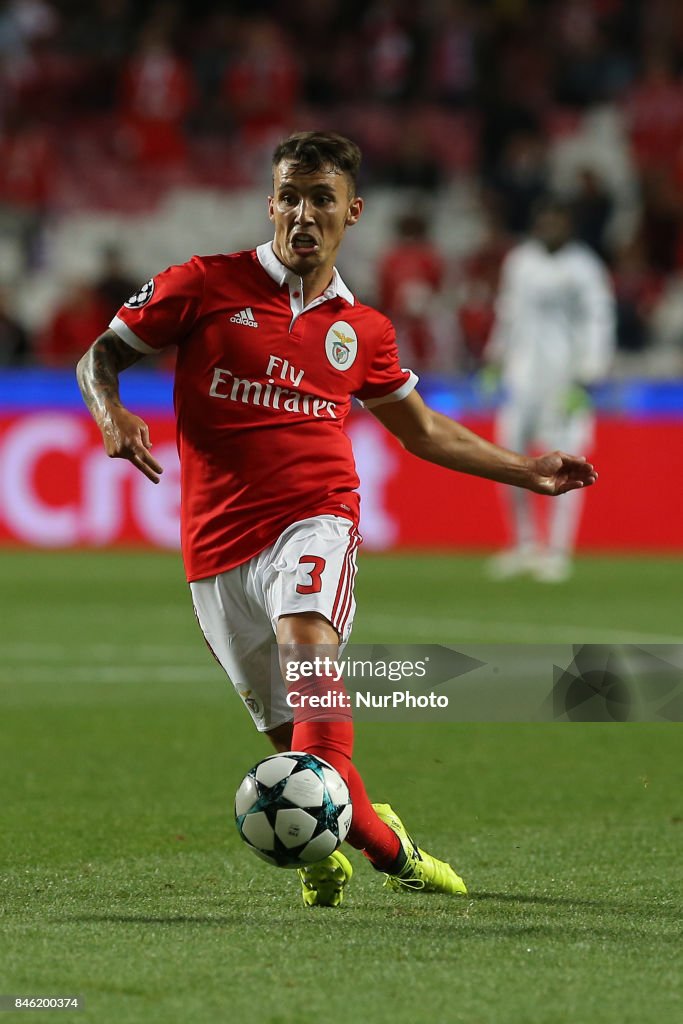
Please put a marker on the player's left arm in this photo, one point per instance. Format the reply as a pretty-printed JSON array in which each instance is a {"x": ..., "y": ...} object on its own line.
[{"x": 445, "y": 442}]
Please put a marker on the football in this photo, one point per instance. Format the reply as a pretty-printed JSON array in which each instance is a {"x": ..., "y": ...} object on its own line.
[{"x": 293, "y": 809}]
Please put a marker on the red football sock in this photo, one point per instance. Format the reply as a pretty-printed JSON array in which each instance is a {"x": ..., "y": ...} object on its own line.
[
  {"x": 333, "y": 741},
  {"x": 368, "y": 833}
]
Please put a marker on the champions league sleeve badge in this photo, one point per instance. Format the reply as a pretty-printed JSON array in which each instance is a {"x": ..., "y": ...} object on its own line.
[{"x": 142, "y": 297}]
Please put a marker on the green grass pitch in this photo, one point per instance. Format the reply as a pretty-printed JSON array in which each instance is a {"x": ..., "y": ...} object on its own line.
[{"x": 123, "y": 879}]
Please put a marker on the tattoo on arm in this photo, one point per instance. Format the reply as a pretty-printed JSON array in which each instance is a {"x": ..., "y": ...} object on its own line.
[{"x": 98, "y": 372}]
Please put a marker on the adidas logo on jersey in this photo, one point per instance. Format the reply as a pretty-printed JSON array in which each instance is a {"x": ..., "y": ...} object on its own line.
[{"x": 244, "y": 317}]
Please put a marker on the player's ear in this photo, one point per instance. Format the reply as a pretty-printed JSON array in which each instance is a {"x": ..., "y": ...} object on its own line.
[
  {"x": 354, "y": 211},
  {"x": 271, "y": 215}
]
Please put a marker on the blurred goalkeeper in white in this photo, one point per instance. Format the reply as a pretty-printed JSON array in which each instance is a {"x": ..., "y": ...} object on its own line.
[{"x": 553, "y": 340}]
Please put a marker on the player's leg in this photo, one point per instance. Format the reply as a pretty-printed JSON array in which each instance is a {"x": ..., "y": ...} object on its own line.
[
  {"x": 375, "y": 829},
  {"x": 281, "y": 736},
  {"x": 239, "y": 634},
  {"x": 328, "y": 733},
  {"x": 239, "y": 631},
  {"x": 310, "y": 598},
  {"x": 572, "y": 433},
  {"x": 514, "y": 430},
  {"x": 305, "y": 636},
  {"x": 315, "y": 738}
]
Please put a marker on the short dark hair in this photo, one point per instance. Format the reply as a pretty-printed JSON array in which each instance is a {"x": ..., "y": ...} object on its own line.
[{"x": 314, "y": 151}]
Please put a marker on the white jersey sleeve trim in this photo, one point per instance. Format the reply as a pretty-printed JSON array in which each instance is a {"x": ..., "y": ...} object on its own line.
[
  {"x": 125, "y": 334},
  {"x": 394, "y": 396}
]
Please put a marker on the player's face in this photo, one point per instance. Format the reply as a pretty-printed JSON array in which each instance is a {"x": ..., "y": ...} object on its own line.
[
  {"x": 311, "y": 213},
  {"x": 553, "y": 228}
]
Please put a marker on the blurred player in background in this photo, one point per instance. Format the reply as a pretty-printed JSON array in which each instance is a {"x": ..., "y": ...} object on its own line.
[
  {"x": 272, "y": 346},
  {"x": 553, "y": 339}
]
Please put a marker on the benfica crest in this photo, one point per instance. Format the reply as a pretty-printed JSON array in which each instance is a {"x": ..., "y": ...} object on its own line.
[{"x": 341, "y": 345}]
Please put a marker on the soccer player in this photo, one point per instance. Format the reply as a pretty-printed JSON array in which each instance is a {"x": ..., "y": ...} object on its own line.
[
  {"x": 554, "y": 337},
  {"x": 271, "y": 348}
]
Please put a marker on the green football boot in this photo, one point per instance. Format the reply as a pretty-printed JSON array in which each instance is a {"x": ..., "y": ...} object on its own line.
[
  {"x": 421, "y": 872},
  {"x": 322, "y": 884}
]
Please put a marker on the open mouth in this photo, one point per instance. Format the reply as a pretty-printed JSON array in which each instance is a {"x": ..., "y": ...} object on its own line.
[{"x": 304, "y": 244}]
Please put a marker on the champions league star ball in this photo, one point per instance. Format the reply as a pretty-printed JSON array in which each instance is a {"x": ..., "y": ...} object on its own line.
[{"x": 293, "y": 809}]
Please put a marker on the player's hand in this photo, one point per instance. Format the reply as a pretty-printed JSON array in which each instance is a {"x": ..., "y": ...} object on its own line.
[
  {"x": 557, "y": 473},
  {"x": 126, "y": 436}
]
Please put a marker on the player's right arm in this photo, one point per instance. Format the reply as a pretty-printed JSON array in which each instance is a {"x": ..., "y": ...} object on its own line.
[{"x": 125, "y": 435}]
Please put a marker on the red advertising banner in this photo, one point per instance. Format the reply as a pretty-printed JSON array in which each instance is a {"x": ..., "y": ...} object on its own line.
[{"x": 59, "y": 489}]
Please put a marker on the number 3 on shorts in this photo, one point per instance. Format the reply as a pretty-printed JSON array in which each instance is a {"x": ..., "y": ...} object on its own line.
[{"x": 316, "y": 584}]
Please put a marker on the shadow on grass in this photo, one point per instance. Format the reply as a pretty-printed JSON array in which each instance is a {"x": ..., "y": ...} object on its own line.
[
  {"x": 484, "y": 913},
  {"x": 612, "y": 912},
  {"x": 603, "y": 905},
  {"x": 446, "y": 928}
]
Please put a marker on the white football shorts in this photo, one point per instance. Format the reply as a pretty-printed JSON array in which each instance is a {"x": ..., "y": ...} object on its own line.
[{"x": 311, "y": 567}]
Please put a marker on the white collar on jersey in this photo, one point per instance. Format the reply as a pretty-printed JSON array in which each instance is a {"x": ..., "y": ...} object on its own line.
[{"x": 282, "y": 275}]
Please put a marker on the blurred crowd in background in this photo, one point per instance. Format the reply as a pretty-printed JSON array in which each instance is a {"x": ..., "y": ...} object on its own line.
[{"x": 108, "y": 105}]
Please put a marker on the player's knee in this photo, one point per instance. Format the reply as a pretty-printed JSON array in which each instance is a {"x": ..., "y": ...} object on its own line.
[
  {"x": 306, "y": 639},
  {"x": 306, "y": 629}
]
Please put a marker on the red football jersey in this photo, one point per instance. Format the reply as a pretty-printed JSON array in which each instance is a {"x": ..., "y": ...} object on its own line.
[{"x": 263, "y": 386}]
